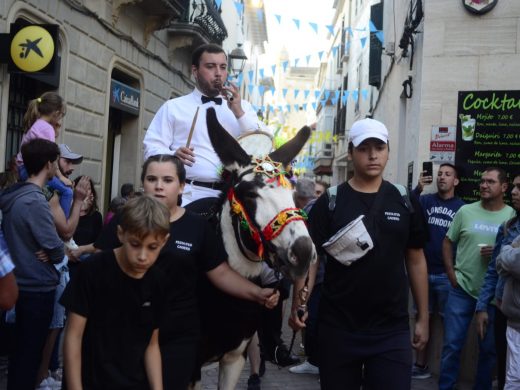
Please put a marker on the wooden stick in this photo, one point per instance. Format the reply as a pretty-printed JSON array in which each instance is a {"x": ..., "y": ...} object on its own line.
[{"x": 192, "y": 127}]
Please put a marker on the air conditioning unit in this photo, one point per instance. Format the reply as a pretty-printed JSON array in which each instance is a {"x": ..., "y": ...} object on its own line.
[
  {"x": 325, "y": 153},
  {"x": 339, "y": 70},
  {"x": 327, "y": 146},
  {"x": 345, "y": 57}
]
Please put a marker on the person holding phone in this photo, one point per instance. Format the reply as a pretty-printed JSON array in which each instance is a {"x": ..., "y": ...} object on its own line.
[
  {"x": 173, "y": 124},
  {"x": 439, "y": 209},
  {"x": 474, "y": 224}
]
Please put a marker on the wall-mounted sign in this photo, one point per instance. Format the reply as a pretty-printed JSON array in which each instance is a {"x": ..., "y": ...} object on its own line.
[
  {"x": 479, "y": 7},
  {"x": 124, "y": 97},
  {"x": 409, "y": 179},
  {"x": 488, "y": 135},
  {"x": 33, "y": 48},
  {"x": 442, "y": 144}
]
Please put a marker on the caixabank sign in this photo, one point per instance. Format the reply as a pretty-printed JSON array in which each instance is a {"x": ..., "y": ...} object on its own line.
[{"x": 30, "y": 48}]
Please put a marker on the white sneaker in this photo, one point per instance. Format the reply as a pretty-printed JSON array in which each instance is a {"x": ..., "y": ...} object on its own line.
[
  {"x": 45, "y": 385},
  {"x": 305, "y": 368},
  {"x": 71, "y": 244}
]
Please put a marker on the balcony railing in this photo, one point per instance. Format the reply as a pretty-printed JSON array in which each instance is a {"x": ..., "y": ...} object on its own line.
[{"x": 205, "y": 15}]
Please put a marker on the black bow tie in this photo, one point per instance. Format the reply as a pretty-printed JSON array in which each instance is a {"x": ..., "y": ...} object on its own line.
[{"x": 206, "y": 99}]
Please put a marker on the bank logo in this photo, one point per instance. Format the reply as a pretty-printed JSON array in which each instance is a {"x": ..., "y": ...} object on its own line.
[{"x": 32, "y": 49}]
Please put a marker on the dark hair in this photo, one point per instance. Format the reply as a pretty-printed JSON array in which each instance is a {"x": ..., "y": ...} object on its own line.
[
  {"x": 94, "y": 206},
  {"x": 322, "y": 183},
  {"x": 143, "y": 216},
  {"x": 116, "y": 204},
  {"x": 513, "y": 220},
  {"x": 502, "y": 175},
  {"x": 46, "y": 104},
  {"x": 179, "y": 166},
  {"x": 206, "y": 48},
  {"x": 38, "y": 152},
  {"x": 351, "y": 146},
  {"x": 127, "y": 189},
  {"x": 452, "y": 167}
]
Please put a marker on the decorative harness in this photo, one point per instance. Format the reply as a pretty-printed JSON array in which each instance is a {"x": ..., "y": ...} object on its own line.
[{"x": 243, "y": 223}]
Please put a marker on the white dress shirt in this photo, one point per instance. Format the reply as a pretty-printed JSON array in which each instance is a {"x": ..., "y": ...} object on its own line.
[{"x": 170, "y": 128}]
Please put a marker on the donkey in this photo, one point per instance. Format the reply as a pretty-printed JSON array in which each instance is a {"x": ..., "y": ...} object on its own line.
[{"x": 258, "y": 222}]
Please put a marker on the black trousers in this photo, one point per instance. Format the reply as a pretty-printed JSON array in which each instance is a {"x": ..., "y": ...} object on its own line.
[{"x": 350, "y": 361}]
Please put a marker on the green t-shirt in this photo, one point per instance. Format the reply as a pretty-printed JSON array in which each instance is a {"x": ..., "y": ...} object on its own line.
[{"x": 471, "y": 226}]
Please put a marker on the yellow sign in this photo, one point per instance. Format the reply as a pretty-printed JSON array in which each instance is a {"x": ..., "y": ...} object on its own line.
[{"x": 32, "y": 49}]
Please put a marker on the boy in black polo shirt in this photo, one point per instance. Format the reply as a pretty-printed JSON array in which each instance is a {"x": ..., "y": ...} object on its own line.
[
  {"x": 364, "y": 337},
  {"x": 115, "y": 303}
]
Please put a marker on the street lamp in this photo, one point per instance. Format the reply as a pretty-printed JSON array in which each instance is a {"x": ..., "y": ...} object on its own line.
[{"x": 237, "y": 60}]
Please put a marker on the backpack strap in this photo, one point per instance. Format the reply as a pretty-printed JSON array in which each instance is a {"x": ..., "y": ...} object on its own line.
[
  {"x": 332, "y": 193},
  {"x": 406, "y": 197}
]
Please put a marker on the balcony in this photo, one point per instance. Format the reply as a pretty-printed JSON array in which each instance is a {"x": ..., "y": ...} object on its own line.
[
  {"x": 199, "y": 23},
  {"x": 158, "y": 13}
]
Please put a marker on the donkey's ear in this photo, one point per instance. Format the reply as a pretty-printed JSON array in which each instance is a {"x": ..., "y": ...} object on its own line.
[
  {"x": 227, "y": 148},
  {"x": 288, "y": 151}
]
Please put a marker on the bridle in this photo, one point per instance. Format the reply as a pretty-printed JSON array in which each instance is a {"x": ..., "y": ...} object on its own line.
[{"x": 260, "y": 239}]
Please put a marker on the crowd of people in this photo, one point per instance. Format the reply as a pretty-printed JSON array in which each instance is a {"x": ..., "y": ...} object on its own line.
[{"x": 125, "y": 288}]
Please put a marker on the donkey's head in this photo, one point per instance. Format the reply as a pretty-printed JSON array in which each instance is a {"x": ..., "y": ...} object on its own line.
[{"x": 259, "y": 220}]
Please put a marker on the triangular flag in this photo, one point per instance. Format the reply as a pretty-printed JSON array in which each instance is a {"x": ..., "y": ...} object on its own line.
[
  {"x": 296, "y": 107},
  {"x": 284, "y": 65},
  {"x": 271, "y": 108},
  {"x": 346, "y": 93},
  {"x": 344, "y": 99},
  {"x": 323, "y": 102},
  {"x": 260, "y": 15},
  {"x": 364, "y": 93},
  {"x": 272, "y": 90},
  {"x": 334, "y": 51},
  {"x": 372, "y": 27},
  {"x": 363, "y": 42},
  {"x": 296, "y": 60},
  {"x": 308, "y": 58},
  {"x": 240, "y": 8},
  {"x": 347, "y": 46},
  {"x": 320, "y": 54},
  {"x": 261, "y": 72},
  {"x": 240, "y": 79},
  {"x": 296, "y": 92},
  {"x": 314, "y": 105},
  {"x": 334, "y": 101},
  {"x": 280, "y": 108},
  {"x": 349, "y": 30},
  {"x": 305, "y": 106},
  {"x": 250, "y": 74},
  {"x": 261, "y": 89},
  {"x": 273, "y": 69},
  {"x": 381, "y": 36},
  {"x": 317, "y": 93},
  {"x": 218, "y": 3},
  {"x": 250, "y": 86},
  {"x": 327, "y": 94},
  {"x": 336, "y": 94},
  {"x": 314, "y": 27},
  {"x": 330, "y": 27},
  {"x": 284, "y": 92},
  {"x": 306, "y": 94},
  {"x": 288, "y": 107},
  {"x": 279, "y": 18},
  {"x": 297, "y": 23},
  {"x": 355, "y": 95}
]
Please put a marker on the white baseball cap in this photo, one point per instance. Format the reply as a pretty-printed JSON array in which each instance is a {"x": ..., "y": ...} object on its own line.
[{"x": 365, "y": 129}]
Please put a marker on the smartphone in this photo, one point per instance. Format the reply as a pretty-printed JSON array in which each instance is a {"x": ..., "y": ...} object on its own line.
[{"x": 427, "y": 167}]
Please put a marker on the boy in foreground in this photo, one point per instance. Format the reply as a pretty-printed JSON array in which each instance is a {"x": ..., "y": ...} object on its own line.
[{"x": 114, "y": 303}]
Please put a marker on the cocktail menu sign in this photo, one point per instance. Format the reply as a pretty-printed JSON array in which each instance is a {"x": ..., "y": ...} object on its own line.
[{"x": 488, "y": 135}]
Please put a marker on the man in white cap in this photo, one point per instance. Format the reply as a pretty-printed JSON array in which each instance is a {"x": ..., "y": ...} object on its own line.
[{"x": 364, "y": 336}]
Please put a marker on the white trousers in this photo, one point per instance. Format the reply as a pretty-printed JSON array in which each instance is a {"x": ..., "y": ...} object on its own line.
[{"x": 513, "y": 359}]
